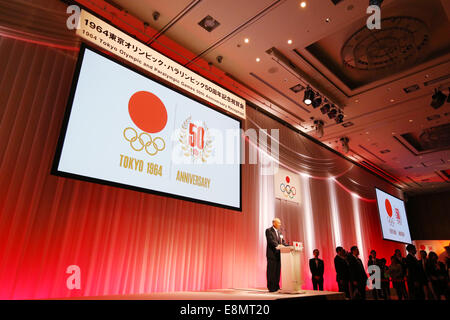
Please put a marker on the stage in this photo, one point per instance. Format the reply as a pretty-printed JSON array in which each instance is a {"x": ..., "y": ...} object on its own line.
[{"x": 224, "y": 294}]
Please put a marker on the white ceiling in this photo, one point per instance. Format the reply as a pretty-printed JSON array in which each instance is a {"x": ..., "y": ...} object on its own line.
[{"x": 379, "y": 110}]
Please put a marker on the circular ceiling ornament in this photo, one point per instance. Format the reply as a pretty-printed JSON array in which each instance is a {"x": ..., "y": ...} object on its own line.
[{"x": 400, "y": 41}]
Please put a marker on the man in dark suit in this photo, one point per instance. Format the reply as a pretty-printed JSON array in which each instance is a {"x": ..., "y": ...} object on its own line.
[
  {"x": 274, "y": 238},
  {"x": 317, "y": 268},
  {"x": 374, "y": 261},
  {"x": 414, "y": 279},
  {"x": 358, "y": 276},
  {"x": 342, "y": 271}
]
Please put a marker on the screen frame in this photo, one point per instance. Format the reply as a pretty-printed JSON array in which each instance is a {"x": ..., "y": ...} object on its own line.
[
  {"x": 379, "y": 216},
  {"x": 63, "y": 131}
]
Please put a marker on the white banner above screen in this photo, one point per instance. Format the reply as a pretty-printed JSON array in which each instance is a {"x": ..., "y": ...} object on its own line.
[
  {"x": 125, "y": 129},
  {"x": 287, "y": 185},
  {"x": 119, "y": 43}
]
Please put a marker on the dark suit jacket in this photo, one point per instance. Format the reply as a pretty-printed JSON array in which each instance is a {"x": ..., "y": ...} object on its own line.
[
  {"x": 357, "y": 272},
  {"x": 423, "y": 271},
  {"x": 316, "y": 270},
  {"x": 342, "y": 269},
  {"x": 272, "y": 243},
  {"x": 375, "y": 261},
  {"x": 413, "y": 268}
]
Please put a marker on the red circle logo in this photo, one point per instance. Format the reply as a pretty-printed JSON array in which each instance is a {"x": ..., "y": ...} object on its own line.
[
  {"x": 147, "y": 112},
  {"x": 388, "y": 206},
  {"x": 288, "y": 179}
]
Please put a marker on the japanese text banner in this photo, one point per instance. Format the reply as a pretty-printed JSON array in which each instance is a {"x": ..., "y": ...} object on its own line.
[{"x": 124, "y": 46}]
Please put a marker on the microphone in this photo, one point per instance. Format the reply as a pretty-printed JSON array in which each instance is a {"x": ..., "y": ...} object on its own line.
[{"x": 282, "y": 237}]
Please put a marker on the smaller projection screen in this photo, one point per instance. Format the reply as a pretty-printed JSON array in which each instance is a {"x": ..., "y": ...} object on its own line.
[
  {"x": 394, "y": 223},
  {"x": 125, "y": 129}
]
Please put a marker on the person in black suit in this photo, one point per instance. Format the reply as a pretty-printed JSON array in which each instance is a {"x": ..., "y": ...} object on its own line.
[
  {"x": 376, "y": 292},
  {"x": 423, "y": 262},
  {"x": 414, "y": 277},
  {"x": 317, "y": 268},
  {"x": 274, "y": 238},
  {"x": 402, "y": 261},
  {"x": 358, "y": 276},
  {"x": 342, "y": 271}
]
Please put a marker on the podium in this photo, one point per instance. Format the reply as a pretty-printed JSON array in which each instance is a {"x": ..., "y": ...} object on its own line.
[{"x": 291, "y": 269}]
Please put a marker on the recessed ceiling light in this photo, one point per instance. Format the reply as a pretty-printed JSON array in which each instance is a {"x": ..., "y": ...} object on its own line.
[
  {"x": 327, "y": 20},
  {"x": 410, "y": 120},
  {"x": 348, "y": 124},
  {"x": 367, "y": 132},
  {"x": 392, "y": 100},
  {"x": 258, "y": 59},
  {"x": 289, "y": 41},
  {"x": 297, "y": 88},
  {"x": 303, "y": 4},
  {"x": 246, "y": 40}
]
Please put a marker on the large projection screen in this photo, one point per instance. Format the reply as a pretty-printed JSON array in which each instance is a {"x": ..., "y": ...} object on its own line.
[
  {"x": 394, "y": 223},
  {"x": 125, "y": 129}
]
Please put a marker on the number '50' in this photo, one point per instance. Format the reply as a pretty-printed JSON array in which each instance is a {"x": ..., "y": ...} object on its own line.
[{"x": 196, "y": 136}]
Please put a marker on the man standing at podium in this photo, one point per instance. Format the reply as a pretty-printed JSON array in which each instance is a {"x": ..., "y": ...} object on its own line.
[{"x": 274, "y": 238}]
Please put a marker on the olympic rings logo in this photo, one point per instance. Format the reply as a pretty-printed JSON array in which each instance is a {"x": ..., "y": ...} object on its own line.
[
  {"x": 144, "y": 141},
  {"x": 288, "y": 191}
]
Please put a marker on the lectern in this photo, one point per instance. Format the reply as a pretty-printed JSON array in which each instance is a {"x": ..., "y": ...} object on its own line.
[{"x": 291, "y": 269}]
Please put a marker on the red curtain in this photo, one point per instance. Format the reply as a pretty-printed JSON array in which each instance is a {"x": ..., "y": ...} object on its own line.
[{"x": 127, "y": 242}]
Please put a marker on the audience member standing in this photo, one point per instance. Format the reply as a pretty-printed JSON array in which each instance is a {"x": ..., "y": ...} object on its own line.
[
  {"x": 385, "y": 284},
  {"x": 444, "y": 256},
  {"x": 317, "y": 268},
  {"x": 396, "y": 274},
  {"x": 342, "y": 271},
  {"x": 423, "y": 274},
  {"x": 437, "y": 275},
  {"x": 376, "y": 292},
  {"x": 358, "y": 276},
  {"x": 415, "y": 285},
  {"x": 402, "y": 261}
]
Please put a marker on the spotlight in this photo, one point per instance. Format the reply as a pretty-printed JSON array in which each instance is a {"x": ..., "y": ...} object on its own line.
[
  {"x": 325, "y": 109},
  {"x": 319, "y": 128},
  {"x": 333, "y": 113},
  {"x": 345, "y": 146},
  {"x": 438, "y": 99},
  {"x": 309, "y": 96},
  {"x": 317, "y": 102},
  {"x": 339, "y": 117}
]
